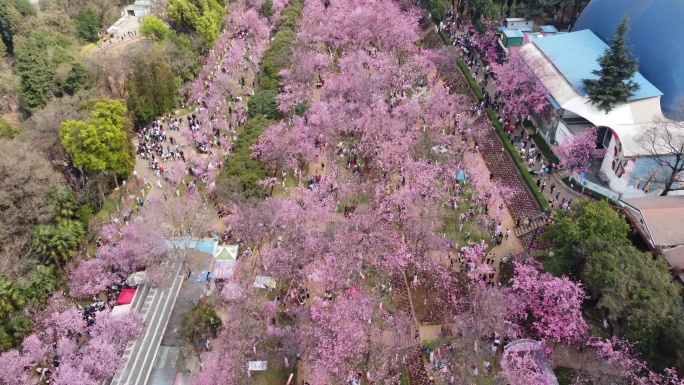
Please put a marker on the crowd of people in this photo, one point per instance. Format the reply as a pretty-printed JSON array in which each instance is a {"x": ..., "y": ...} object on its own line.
[
  {"x": 89, "y": 315},
  {"x": 114, "y": 38}
]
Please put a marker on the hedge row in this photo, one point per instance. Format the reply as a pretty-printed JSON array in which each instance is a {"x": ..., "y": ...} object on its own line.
[
  {"x": 242, "y": 166},
  {"x": 279, "y": 53},
  {"x": 545, "y": 149},
  {"x": 446, "y": 38},
  {"x": 471, "y": 81},
  {"x": 531, "y": 184},
  {"x": 519, "y": 163}
]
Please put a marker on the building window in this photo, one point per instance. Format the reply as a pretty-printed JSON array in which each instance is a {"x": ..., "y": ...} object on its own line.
[
  {"x": 603, "y": 137},
  {"x": 618, "y": 166}
]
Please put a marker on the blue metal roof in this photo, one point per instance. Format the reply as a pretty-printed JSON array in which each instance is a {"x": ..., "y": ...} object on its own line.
[
  {"x": 553, "y": 102},
  {"x": 548, "y": 29},
  {"x": 656, "y": 33},
  {"x": 512, "y": 33},
  {"x": 575, "y": 55}
]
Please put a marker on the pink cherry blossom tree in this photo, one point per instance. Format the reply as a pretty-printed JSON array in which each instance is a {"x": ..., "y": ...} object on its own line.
[
  {"x": 519, "y": 82},
  {"x": 12, "y": 369},
  {"x": 522, "y": 368},
  {"x": 577, "y": 152},
  {"x": 553, "y": 305},
  {"x": 605, "y": 357},
  {"x": 486, "y": 42},
  {"x": 347, "y": 334}
]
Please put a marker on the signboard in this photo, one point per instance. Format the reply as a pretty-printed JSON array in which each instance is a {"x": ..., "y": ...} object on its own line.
[
  {"x": 596, "y": 188},
  {"x": 562, "y": 133}
]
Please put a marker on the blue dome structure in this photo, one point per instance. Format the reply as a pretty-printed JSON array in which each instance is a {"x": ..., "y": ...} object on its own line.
[{"x": 656, "y": 36}]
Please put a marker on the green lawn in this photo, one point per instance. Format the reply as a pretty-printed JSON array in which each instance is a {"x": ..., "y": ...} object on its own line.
[
  {"x": 273, "y": 375},
  {"x": 565, "y": 376},
  {"x": 404, "y": 377},
  {"x": 111, "y": 206}
]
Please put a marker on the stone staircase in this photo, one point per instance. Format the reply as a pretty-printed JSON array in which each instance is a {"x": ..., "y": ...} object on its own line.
[
  {"x": 415, "y": 364},
  {"x": 521, "y": 202},
  {"x": 535, "y": 223},
  {"x": 155, "y": 306}
]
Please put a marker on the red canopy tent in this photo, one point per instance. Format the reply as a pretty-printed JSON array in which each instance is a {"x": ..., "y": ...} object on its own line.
[{"x": 125, "y": 297}]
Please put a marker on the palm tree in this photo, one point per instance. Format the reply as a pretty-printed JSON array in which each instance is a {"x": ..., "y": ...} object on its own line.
[
  {"x": 58, "y": 243},
  {"x": 38, "y": 283},
  {"x": 11, "y": 298},
  {"x": 64, "y": 205}
]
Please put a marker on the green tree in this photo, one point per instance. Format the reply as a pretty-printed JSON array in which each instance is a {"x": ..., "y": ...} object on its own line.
[
  {"x": 40, "y": 282},
  {"x": 301, "y": 108},
  {"x": 13, "y": 329},
  {"x": 154, "y": 28},
  {"x": 62, "y": 40},
  {"x": 263, "y": 103},
  {"x": 437, "y": 8},
  {"x": 242, "y": 166},
  {"x": 102, "y": 144},
  {"x": 181, "y": 55},
  {"x": 36, "y": 74},
  {"x": 87, "y": 24},
  {"x": 614, "y": 84},
  {"x": 63, "y": 204},
  {"x": 640, "y": 298},
  {"x": 267, "y": 9},
  {"x": 11, "y": 298},
  {"x": 12, "y": 12},
  {"x": 199, "y": 324},
  {"x": 573, "y": 234},
  {"x": 152, "y": 90},
  {"x": 544, "y": 9},
  {"x": 77, "y": 79},
  {"x": 60, "y": 55},
  {"x": 58, "y": 243},
  {"x": 203, "y": 17},
  {"x": 479, "y": 8},
  {"x": 7, "y": 130}
]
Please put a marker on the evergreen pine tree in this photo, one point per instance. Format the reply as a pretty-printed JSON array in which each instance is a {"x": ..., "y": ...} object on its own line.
[{"x": 618, "y": 66}]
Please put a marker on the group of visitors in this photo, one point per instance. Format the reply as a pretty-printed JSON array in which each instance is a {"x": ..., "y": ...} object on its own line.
[
  {"x": 452, "y": 24},
  {"x": 89, "y": 314},
  {"x": 113, "y": 38}
]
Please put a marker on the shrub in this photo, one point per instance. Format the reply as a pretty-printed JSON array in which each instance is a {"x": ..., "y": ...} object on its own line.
[
  {"x": 263, "y": 103},
  {"x": 7, "y": 130},
  {"x": 471, "y": 81},
  {"x": 87, "y": 25},
  {"x": 154, "y": 28}
]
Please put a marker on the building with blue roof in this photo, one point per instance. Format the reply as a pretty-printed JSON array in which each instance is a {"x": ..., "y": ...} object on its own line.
[
  {"x": 512, "y": 38},
  {"x": 560, "y": 62},
  {"x": 548, "y": 29},
  {"x": 656, "y": 34},
  {"x": 576, "y": 54}
]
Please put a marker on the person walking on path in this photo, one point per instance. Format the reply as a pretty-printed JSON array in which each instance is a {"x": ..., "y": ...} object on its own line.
[{"x": 508, "y": 232}]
